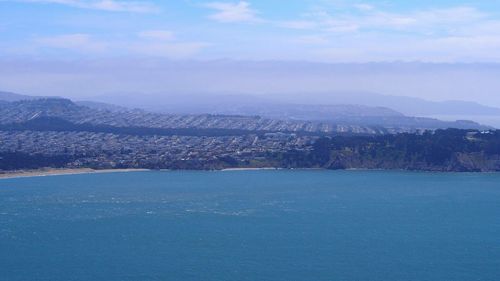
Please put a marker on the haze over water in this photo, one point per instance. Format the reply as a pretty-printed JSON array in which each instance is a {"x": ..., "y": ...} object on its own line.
[{"x": 251, "y": 225}]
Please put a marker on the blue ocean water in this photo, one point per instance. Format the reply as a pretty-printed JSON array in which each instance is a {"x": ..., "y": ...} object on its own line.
[{"x": 251, "y": 225}]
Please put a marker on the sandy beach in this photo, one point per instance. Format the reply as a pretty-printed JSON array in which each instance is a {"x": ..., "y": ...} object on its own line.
[
  {"x": 59, "y": 172},
  {"x": 250, "y": 169}
]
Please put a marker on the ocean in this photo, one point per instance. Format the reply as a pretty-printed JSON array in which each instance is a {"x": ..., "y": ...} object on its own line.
[{"x": 283, "y": 225}]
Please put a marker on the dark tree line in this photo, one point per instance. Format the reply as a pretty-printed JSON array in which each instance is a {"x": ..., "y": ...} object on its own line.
[{"x": 451, "y": 149}]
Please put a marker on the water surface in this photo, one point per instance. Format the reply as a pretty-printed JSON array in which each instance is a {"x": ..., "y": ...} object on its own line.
[{"x": 251, "y": 225}]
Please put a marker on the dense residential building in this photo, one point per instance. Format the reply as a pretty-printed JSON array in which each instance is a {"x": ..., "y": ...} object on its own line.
[{"x": 59, "y": 133}]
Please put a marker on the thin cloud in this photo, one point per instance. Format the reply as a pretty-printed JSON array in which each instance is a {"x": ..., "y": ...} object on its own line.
[
  {"x": 103, "y": 5},
  {"x": 376, "y": 19},
  {"x": 312, "y": 40},
  {"x": 162, "y": 43},
  {"x": 164, "y": 35},
  {"x": 297, "y": 24},
  {"x": 364, "y": 7},
  {"x": 157, "y": 43},
  {"x": 75, "y": 42},
  {"x": 174, "y": 50},
  {"x": 232, "y": 12}
]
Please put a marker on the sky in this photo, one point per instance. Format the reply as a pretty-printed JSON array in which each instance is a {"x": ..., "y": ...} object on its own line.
[
  {"x": 307, "y": 30},
  {"x": 437, "y": 50}
]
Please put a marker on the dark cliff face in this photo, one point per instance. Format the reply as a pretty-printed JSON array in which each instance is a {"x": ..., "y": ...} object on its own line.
[
  {"x": 444, "y": 150},
  {"x": 458, "y": 162}
]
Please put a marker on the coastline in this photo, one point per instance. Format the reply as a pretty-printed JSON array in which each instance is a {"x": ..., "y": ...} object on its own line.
[
  {"x": 61, "y": 172},
  {"x": 250, "y": 169},
  {"x": 80, "y": 171}
]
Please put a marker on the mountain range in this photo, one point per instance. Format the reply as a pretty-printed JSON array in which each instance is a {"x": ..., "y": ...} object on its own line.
[
  {"x": 273, "y": 108},
  {"x": 192, "y": 102}
]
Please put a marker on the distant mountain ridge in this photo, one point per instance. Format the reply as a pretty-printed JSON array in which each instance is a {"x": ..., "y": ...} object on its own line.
[
  {"x": 13, "y": 97},
  {"x": 64, "y": 109},
  {"x": 248, "y": 105},
  {"x": 187, "y": 102},
  {"x": 407, "y": 105},
  {"x": 101, "y": 105},
  {"x": 22, "y": 111},
  {"x": 274, "y": 105},
  {"x": 308, "y": 117}
]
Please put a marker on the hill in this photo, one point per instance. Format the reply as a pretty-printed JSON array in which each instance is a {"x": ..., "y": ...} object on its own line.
[
  {"x": 410, "y": 106},
  {"x": 10, "y": 97},
  {"x": 331, "y": 106},
  {"x": 25, "y": 110}
]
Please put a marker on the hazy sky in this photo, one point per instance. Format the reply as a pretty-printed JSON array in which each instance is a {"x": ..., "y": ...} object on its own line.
[
  {"x": 320, "y": 30},
  {"x": 85, "y": 48}
]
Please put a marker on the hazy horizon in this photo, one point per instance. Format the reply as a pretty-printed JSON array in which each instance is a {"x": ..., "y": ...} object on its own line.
[
  {"x": 90, "y": 79},
  {"x": 86, "y": 49}
]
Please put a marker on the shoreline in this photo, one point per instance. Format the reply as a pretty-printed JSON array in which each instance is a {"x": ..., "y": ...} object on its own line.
[
  {"x": 250, "y": 169},
  {"x": 81, "y": 171},
  {"x": 62, "y": 172}
]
